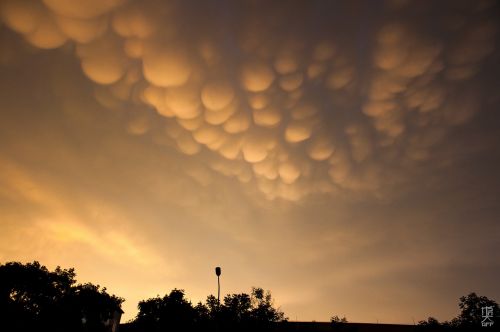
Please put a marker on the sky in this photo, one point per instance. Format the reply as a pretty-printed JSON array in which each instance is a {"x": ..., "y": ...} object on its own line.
[{"x": 342, "y": 154}]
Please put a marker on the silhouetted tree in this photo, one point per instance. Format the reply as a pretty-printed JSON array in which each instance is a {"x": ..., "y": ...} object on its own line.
[
  {"x": 171, "y": 312},
  {"x": 34, "y": 298},
  {"x": 471, "y": 315},
  {"x": 431, "y": 321},
  {"x": 336, "y": 319},
  {"x": 236, "y": 312},
  {"x": 93, "y": 306},
  {"x": 263, "y": 310},
  {"x": 236, "y": 308},
  {"x": 212, "y": 305},
  {"x": 29, "y": 292},
  {"x": 202, "y": 314}
]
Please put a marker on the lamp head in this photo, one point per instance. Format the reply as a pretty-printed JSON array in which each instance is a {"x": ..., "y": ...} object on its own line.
[{"x": 217, "y": 271}]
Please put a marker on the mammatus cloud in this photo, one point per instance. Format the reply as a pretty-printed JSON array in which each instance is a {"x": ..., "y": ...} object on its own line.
[
  {"x": 341, "y": 154},
  {"x": 265, "y": 106}
]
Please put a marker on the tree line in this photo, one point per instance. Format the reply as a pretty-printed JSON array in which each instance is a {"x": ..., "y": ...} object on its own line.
[
  {"x": 33, "y": 298},
  {"x": 472, "y": 315},
  {"x": 239, "y": 312}
]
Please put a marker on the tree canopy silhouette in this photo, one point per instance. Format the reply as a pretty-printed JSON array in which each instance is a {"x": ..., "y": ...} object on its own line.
[
  {"x": 239, "y": 311},
  {"x": 471, "y": 314},
  {"x": 164, "y": 313},
  {"x": 336, "y": 319},
  {"x": 430, "y": 322},
  {"x": 32, "y": 297}
]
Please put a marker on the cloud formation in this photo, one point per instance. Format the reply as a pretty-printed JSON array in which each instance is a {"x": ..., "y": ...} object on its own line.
[
  {"x": 250, "y": 95},
  {"x": 317, "y": 145}
]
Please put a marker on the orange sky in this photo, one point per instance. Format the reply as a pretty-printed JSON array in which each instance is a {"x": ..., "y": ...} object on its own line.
[{"x": 342, "y": 155}]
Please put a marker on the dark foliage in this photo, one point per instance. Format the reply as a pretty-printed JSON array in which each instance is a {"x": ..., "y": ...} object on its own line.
[
  {"x": 338, "y": 320},
  {"x": 236, "y": 312},
  {"x": 171, "y": 312},
  {"x": 34, "y": 298},
  {"x": 470, "y": 317},
  {"x": 431, "y": 321}
]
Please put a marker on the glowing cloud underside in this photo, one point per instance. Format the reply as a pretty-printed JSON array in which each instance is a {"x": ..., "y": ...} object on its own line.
[{"x": 256, "y": 102}]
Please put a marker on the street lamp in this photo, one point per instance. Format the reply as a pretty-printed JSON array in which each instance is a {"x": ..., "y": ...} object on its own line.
[{"x": 217, "y": 272}]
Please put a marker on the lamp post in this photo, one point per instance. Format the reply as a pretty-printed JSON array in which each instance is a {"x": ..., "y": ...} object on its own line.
[{"x": 217, "y": 272}]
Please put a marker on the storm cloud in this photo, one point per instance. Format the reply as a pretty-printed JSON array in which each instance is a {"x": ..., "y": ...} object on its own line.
[{"x": 355, "y": 140}]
